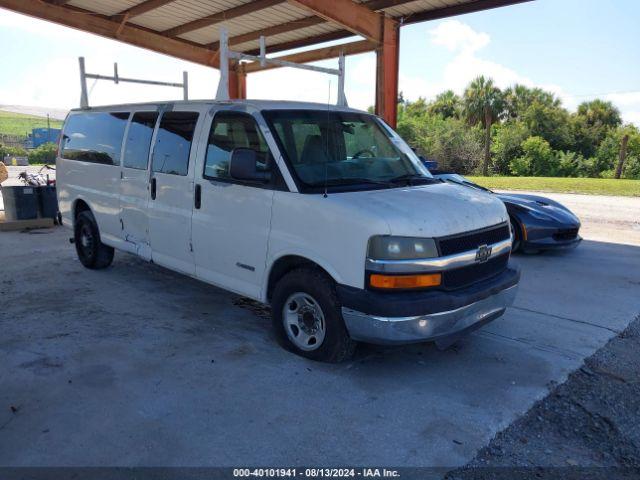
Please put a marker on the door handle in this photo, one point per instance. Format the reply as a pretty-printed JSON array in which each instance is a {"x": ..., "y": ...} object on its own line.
[
  {"x": 153, "y": 188},
  {"x": 197, "y": 197}
]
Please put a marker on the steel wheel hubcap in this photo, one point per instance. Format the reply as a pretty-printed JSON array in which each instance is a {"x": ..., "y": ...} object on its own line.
[
  {"x": 304, "y": 321},
  {"x": 86, "y": 238}
]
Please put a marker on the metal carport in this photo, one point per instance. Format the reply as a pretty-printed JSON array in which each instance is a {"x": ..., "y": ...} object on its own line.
[{"x": 189, "y": 29}]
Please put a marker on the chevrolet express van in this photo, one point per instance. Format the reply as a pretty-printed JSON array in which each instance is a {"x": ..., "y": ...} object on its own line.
[{"x": 323, "y": 212}]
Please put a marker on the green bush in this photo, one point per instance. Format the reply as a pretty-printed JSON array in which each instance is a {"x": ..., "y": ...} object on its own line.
[
  {"x": 507, "y": 145},
  {"x": 12, "y": 151},
  {"x": 538, "y": 159},
  {"x": 45, "y": 153}
]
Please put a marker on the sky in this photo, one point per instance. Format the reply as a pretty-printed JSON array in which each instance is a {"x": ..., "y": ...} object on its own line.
[{"x": 579, "y": 49}]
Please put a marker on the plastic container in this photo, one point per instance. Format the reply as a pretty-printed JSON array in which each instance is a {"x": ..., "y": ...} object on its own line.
[
  {"x": 47, "y": 202},
  {"x": 20, "y": 202}
]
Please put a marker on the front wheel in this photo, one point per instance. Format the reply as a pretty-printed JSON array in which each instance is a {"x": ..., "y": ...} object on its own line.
[
  {"x": 92, "y": 253},
  {"x": 307, "y": 317}
]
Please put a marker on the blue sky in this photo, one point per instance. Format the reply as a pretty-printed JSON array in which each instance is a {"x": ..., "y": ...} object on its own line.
[{"x": 579, "y": 49}]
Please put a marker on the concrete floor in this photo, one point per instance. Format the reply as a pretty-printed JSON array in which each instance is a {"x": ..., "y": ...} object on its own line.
[{"x": 138, "y": 366}]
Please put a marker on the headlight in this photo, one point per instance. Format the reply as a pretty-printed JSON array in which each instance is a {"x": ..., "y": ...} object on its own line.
[{"x": 401, "y": 248}]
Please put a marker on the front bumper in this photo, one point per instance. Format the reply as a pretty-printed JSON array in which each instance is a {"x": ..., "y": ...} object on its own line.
[
  {"x": 550, "y": 243},
  {"x": 444, "y": 315}
]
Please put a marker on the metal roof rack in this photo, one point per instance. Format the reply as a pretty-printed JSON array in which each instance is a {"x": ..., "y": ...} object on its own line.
[{"x": 226, "y": 53}]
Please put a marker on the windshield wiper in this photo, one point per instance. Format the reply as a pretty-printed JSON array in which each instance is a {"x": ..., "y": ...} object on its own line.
[
  {"x": 413, "y": 176},
  {"x": 332, "y": 182}
]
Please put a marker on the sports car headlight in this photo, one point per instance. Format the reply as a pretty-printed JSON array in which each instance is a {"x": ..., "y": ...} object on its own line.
[{"x": 401, "y": 248}]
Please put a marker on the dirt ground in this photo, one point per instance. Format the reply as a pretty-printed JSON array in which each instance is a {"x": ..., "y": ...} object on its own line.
[{"x": 587, "y": 427}]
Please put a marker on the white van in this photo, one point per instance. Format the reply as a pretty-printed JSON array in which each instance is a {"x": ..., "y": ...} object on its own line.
[{"x": 323, "y": 212}]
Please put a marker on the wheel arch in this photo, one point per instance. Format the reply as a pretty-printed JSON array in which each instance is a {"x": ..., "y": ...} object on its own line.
[
  {"x": 79, "y": 205},
  {"x": 287, "y": 263}
]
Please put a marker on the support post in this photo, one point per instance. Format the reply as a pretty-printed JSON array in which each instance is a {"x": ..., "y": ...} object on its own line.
[
  {"x": 223, "y": 85},
  {"x": 185, "y": 85},
  {"x": 342, "y": 98},
  {"x": 84, "y": 96},
  {"x": 388, "y": 55}
]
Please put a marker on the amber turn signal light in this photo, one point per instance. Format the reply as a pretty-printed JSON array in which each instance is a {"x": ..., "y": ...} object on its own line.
[{"x": 405, "y": 281}]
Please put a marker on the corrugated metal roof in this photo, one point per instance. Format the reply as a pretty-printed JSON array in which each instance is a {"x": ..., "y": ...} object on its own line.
[{"x": 179, "y": 12}]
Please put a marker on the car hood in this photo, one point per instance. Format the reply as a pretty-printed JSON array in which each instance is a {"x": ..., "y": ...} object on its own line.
[
  {"x": 540, "y": 204},
  {"x": 434, "y": 210}
]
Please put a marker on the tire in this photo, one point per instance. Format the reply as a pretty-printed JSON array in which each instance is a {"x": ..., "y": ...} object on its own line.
[
  {"x": 305, "y": 300},
  {"x": 516, "y": 232},
  {"x": 92, "y": 253}
]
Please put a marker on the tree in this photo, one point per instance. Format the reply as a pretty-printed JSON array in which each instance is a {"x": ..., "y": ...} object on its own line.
[
  {"x": 600, "y": 113},
  {"x": 446, "y": 104},
  {"x": 507, "y": 145},
  {"x": 519, "y": 98},
  {"x": 537, "y": 160},
  {"x": 591, "y": 124},
  {"x": 551, "y": 123},
  {"x": 483, "y": 104},
  {"x": 623, "y": 154}
]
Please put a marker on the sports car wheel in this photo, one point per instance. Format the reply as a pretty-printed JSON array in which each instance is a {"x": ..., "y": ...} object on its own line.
[{"x": 516, "y": 235}]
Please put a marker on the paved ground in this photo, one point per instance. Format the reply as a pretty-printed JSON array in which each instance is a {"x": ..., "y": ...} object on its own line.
[{"x": 138, "y": 366}]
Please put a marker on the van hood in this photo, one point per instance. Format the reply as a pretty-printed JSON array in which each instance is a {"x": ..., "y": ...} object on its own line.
[{"x": 434, "y": 210}]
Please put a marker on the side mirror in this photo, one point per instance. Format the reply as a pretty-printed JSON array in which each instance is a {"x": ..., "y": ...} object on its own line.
[{"x": 243, "y": 166}]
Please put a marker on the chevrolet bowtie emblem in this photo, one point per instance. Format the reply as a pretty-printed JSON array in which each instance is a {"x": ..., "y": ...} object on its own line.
[{"x": 483, "y": 253}]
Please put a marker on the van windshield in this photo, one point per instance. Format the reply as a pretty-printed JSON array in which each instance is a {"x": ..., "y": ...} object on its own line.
[{"x": 342, "y": 149}]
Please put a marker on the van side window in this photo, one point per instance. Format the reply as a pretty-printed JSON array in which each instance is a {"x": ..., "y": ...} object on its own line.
[
  {"x": 232, "y": 130},
  {"x": 94, "y": 137},
  {"x": 138, "y": 144},
  {"x": 173, "y": 143}
]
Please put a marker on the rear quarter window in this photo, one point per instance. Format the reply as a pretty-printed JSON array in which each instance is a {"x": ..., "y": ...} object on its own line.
[{"x": 94, "y": 137}]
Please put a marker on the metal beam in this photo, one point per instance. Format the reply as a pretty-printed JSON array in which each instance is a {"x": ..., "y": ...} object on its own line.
[
  {"x": 334, "y": 51},
  {"x": 354, "y": 17},
  {"x": 388, "y": 62},
  {"x": 461, "y": 9},
  {"x": 271, "y": 31},
  {"x": 301, "y": 23},
  {"x": 305, "y": 42},
  {"x": 141, "y": 9},
  {"x": 103, "y": 26},
  {"x": 209, "y": 20},
  {"x": 438, "y": 13}
]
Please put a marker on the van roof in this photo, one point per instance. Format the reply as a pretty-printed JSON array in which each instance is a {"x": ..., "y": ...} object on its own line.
[{"x": 258, "y": 104}]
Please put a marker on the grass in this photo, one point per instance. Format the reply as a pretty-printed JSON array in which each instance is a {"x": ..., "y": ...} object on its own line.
[
  {"x": 592, "y": 186},
  {"x": 20, "y": 124}
]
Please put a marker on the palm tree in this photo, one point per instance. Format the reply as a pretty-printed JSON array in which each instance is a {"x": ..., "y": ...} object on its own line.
[
  {"x": 446, "y": 104},
  {"x": 484, "y": 104}
]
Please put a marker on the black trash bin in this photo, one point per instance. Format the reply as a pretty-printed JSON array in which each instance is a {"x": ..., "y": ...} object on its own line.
[
  {"x": 47, "y": 202},
  {"x": 20, "y": 202}
]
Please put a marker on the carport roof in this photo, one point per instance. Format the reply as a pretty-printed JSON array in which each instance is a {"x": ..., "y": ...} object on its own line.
[{"x": 189, "y": 29}]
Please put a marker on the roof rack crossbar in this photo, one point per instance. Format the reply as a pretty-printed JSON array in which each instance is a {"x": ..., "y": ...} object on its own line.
[{"x": 226, "y": 54}]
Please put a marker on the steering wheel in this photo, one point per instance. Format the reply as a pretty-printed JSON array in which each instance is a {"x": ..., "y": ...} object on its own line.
[{"x": 362, "y": 152}]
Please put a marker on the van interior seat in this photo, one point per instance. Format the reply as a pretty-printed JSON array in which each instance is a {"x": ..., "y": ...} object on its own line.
[{"x": 314, "y": 150}]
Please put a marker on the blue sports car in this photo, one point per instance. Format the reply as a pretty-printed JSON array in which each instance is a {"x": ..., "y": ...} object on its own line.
[{"x": 537, "y": 223}]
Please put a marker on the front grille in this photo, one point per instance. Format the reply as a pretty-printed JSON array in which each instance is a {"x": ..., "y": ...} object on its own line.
[
  {"x": 468, "y": 241},
  {"x": 465, "y": 276},
  {"x": 566, "y": 234}
]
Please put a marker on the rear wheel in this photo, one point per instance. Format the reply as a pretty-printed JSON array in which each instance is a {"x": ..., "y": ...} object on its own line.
[
  {"x": 516, "y": 235},
  {"x": 92, "y": 253},
  {"x": 307, "y": 317}
]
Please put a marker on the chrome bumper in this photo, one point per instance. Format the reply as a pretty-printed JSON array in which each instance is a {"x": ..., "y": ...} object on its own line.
[{"x": 432, "y": 327}]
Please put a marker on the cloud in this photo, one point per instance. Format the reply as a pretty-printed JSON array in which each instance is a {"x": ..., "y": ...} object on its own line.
[{"x": 458, "y": 37}]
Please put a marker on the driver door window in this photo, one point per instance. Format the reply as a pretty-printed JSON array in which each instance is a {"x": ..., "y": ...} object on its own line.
[{"x": 231, "y": 130}]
